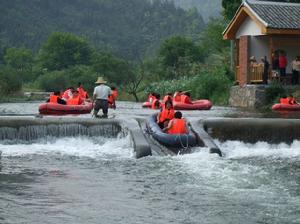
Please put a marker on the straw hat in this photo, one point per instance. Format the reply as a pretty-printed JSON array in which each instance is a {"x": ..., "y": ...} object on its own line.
[{"x": 100, "y": 80}]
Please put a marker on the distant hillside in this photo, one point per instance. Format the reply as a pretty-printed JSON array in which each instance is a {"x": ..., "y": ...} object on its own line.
[
  {"x": 130, "y": 28},
  {"x": 207, "y": 8}
]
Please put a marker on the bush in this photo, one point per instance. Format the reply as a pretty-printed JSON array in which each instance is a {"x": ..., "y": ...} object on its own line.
[
  {"x": 213, "y": 84},
  {"x": 10, "y": 81},
  {"x": 53, "y": 81},
  {"x": 274, "y": 91}
]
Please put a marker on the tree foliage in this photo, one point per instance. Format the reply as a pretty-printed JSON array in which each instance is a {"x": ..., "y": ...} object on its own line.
[
  {"x": 63, "y": 50},
  {"x": 19, "y": 58},
  {"x": 178, "y": 52},
  {"x": 230, "y": 7},
  {"x": 128, "y": 28}
]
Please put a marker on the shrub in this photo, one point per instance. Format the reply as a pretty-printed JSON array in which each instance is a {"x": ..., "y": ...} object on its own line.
[
  {"x": 274, "y": 91},
  {"x": 10, "y": 81}
]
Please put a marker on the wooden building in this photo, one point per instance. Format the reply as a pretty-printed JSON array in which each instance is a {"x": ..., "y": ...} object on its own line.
[{"x": 261, "y": 28}]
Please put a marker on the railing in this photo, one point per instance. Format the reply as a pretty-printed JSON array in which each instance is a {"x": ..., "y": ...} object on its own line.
[{"x": 256, "y": 73}]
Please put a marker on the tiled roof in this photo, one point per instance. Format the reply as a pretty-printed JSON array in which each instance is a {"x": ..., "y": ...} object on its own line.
[{"x": 277, "y": 15}]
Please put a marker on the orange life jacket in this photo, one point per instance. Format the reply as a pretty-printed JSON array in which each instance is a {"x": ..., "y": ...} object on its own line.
[
  {"x": 177, "y": 97},
  {"x": 74, "y": 101},
  {"x": 151, "y": 98},
  {"x": 115, "y": 94},
  {"x": 292, "y": 100},
  {"x": 178, "y": 126},
  {"x": 153, "y": 105},
  {"x": 53, "y": 99},
  {"x": 111, "y": 99},
  {"x": 166, "y": 98},
  {"x": 284, "y": 100},
  {"x": 166, "y": 114},
  {"x": 66, "y": 94},
  {"x": 82, "y": 93},
  {"x": 185, "y": 99}
]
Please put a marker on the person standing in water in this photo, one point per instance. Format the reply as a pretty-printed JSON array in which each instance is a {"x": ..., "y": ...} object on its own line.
[{"x": 100, "y": 97}]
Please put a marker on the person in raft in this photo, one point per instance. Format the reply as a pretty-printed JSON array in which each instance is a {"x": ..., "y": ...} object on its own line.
[
  {"x": 100, "y": 96},
  {"x": 288, "y": 100},
  {"x": 56, "y": 98},
  {"x": 177, "y": 96},
  {"x": 113, "y": 97},
  {"x": 68, "y": 93},
  {"x": 155, "y": 103},
  {"x": 186, "y": 98},
  {"x": 75, "y": 99},
  {"x": 177, "y": 125},
  {"x": 82, "y": 93},
  {"x": 167, "y": 97},
  {"x": 165, "y": 115}
]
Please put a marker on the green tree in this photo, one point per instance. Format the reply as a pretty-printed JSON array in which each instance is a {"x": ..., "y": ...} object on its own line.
[
  {"x": 19, "y": 58},
  {"x": 178, "y": 52},
  {"x": 10, "y": 81},
  {"x": 230, "y": 7},
  {"x": 115, "y": 70},
  {"x": 63, "y": 50}
]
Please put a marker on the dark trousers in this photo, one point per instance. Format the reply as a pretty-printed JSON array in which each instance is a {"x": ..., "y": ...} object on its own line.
[
  {"x": 295, "y": 77},
  {"x": 101, "y": 104},
  {"x": 282, "y": 72}
]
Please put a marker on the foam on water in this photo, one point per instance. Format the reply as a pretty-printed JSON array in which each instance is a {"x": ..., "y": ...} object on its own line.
[{"x": 73, "y": 146}]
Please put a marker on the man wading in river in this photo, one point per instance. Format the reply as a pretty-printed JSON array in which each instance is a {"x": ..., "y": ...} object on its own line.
[{"x": 100, "y": 96}]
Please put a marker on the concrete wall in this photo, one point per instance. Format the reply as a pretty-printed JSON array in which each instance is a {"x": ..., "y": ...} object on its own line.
[
  {"x": 259, "y": 47},
  {"x": 252, "y": 130},
  {"x": 248, "y": 96}
]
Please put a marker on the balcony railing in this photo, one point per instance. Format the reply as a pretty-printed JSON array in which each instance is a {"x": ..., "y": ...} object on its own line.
[{"x": 256, "y": 73}]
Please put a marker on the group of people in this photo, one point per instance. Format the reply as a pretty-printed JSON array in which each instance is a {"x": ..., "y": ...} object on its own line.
[
  {"x": 167, "y": 119},
  {"x": 178, "y": 96},
  {"x": 103, "y": 97},
  {"x": 279, "y": 65},
  {"x": 70, "y": 96},
  {"x": 290, "y": 99},
  {"x": 170, "y": 121}
]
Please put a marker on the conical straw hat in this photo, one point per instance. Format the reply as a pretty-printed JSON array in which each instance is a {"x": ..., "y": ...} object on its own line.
[{"x": 100, "y": 80}]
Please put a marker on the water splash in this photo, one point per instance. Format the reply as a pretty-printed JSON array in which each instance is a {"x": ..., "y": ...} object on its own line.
[{"x": 82, "y": 146}]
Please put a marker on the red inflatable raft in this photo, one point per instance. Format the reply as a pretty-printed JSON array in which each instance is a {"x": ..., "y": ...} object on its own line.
[
  {"x": 146, "y": 105},
  {"x": 59, "y": 109},
  {"x": 197, "y": 105},
  {"x": 286, "y": 107}
]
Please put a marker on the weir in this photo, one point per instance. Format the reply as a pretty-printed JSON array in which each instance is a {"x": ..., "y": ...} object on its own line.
[
  {"x": 252, "y": 130},
  {"x": 249, "y": 130},
  {"x": 28, "y": 129}
]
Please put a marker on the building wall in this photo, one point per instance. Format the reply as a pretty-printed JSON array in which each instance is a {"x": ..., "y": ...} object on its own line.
[
  {"x": 248, "y": 27},
  {"x": 259, "y": 47}
]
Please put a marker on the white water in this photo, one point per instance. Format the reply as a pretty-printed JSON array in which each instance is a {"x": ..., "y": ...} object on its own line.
[{"x": 80, "y": 146}]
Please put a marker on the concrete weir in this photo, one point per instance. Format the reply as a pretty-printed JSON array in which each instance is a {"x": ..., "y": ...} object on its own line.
[
  {"x": 30, "y": 128},
  {"x": 251, "y": 130}
]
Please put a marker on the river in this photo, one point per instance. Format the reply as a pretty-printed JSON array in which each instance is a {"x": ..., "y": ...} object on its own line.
[{"x": 98, "y": 180}]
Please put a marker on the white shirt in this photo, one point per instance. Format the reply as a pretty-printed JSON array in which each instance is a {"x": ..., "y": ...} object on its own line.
[{"x": 102, "y": 92}]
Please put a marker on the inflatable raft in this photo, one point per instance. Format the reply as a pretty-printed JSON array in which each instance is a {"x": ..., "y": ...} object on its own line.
[
  {"x": 285, "y": 107},
  {"x": 146, "y": 105},
  {"x": 59, "y": 109},
  {"x": 174, "y": 141},
  {"x": 197, "y": 105}
]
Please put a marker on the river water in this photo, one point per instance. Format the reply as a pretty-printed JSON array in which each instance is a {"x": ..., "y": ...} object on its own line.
[{"x": 98, "y": 180}]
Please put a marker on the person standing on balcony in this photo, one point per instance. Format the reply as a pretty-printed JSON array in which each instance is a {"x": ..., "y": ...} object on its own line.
[
  {"x": 282, "y": 64},
  {"x": 265, "y": 74},
  {"x": 296, "y": 70}
]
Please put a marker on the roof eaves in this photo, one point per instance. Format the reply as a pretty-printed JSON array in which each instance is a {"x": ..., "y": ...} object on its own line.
[{"x": 229, "y": 24}]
